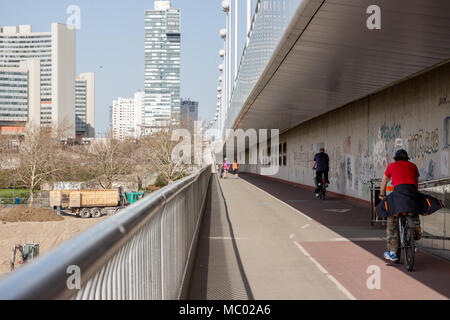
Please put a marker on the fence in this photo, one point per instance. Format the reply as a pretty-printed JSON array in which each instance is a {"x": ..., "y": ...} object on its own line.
[{"x": 144, "y": 252}]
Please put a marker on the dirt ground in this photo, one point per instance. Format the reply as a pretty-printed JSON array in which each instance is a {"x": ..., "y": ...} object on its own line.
[
  {"x": 25, "y": 214},
  {"x": 48, "y": 234}
]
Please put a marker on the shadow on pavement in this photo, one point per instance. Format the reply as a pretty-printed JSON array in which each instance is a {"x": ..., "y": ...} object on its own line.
[
  {"x": 351, "y": 219},
  {"x": 218, "y": 272}
]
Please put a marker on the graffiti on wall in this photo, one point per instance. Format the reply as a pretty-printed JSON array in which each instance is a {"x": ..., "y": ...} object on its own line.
[
  {"x": 347, "y": 144},
  {"x": 349, "y": 169},
  {"x": 428, "y": 172},
  {"x": 443, "y": 100},
  {"x": 364, "y": 164},
  {"x": 388, "y": 140},
  {"x": 444, "y": 163},
  {"x": 390, "y": 132},
  {"x": 422, "y": 143}
]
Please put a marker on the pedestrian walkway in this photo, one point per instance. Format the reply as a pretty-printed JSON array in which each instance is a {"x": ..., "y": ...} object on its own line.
[{"x": 264, "y": 239}]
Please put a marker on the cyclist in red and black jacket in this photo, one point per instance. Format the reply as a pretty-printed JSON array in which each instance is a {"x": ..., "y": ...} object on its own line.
[{"x": 405, "y": 198}]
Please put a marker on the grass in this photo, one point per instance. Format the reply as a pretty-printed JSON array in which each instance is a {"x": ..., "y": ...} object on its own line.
[{"x": 7, "y": 196}]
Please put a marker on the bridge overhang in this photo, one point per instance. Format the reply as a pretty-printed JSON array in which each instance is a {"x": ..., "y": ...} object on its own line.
[{"x": 328, "y": 58}]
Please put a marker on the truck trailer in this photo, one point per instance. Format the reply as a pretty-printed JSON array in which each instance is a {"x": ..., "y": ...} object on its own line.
[{"x": 89, "y": 203}]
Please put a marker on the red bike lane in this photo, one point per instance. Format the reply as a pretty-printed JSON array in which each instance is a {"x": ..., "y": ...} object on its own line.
[{"x": 355, "y": 260}]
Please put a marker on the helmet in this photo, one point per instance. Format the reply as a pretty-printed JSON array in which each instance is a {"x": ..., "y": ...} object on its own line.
[{"x": 401, "y": 155}]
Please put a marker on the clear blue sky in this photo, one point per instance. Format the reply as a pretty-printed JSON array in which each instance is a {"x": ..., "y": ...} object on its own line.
[{"x": 112, "y": 36}]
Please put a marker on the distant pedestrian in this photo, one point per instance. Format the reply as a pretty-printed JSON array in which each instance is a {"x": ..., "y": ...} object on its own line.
[
  {"x": 235, "y": 169},
  {"x": 226, "y": 168}
]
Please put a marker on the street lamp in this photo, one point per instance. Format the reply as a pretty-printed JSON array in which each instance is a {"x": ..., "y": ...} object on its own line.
[
  {"x": 221, "y": 67},
  {"x": 225, "y": 6},
  {"x": 223, "y": 33}
]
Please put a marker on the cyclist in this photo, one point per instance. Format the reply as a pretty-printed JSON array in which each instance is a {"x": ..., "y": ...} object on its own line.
[
  {"x": 321, "y": 165},
  {"x": 405, "y": 179}
]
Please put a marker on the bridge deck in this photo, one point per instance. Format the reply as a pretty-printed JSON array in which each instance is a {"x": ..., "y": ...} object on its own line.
[{"x": 263, "y": 239}]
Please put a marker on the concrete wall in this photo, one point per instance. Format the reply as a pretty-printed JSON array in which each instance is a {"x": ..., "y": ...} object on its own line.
[{"x": 362, "y": 137}]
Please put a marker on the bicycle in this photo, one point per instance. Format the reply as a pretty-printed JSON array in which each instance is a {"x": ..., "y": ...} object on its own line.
[
  {"x": 322, "y": 189},
  {"x": 406, "y": 240}
]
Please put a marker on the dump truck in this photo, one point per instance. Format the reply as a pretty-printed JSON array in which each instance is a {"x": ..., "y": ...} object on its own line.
[{"x": 89, "y": 203}]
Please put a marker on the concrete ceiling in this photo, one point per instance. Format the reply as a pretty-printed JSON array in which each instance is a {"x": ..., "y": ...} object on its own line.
[{"x": 328, "y": 57}]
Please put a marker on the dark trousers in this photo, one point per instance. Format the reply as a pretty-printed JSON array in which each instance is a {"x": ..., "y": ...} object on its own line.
[{"x": 319, "y": 176}]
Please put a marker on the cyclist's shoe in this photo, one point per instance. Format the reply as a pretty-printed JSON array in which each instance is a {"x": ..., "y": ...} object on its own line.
[
  {"x": 390, "y": 255},
  {"x": 417, "y": 233}
]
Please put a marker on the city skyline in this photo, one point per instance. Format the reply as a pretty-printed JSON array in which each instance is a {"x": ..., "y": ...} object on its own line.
[{"x": 110, "y": 42}]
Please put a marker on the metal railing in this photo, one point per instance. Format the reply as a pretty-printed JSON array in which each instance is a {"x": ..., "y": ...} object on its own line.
[
  {"x": 143, "y": 253},
  {"x": 375, "y": 192}
]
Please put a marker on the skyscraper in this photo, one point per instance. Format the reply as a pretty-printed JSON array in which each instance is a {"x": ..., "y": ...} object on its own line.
[
  {"x": 162, "y": 66},
  {"x": 56, "y": 52}
]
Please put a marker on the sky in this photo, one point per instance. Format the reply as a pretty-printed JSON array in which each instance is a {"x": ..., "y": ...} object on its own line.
[{"x": 110, "y": 42}]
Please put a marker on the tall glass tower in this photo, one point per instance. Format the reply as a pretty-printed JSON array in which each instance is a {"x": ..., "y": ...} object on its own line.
[{"x": 162, "y": 67}]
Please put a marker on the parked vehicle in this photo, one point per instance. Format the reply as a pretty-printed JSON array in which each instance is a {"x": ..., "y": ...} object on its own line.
[
  {"x": 133, "y": 197},
  {"x": 89, "y": 203}
]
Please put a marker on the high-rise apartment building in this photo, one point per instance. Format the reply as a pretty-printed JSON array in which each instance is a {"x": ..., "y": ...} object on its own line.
[
  {"x": 56, "y": 52},
  {"x": 189, "y": 114},
  {"x": 126, "y": 117},
  {"x": 162, "y": 66},
  {"x": 20, "y": 96},
  {"x": 85, "y": 105}
]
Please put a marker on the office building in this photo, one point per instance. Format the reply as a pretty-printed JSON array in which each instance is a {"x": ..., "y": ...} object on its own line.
[
  {"x": 162, "y": 67},
  {"x": 56, "y": 52},
  {"x": 85, "y": 105},
  {"x": 189, "y": 114}
]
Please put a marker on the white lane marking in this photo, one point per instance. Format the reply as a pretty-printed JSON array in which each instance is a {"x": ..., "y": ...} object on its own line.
[
  {"x": 306, "y": 226},
  {"x": 301, "y": 213},
  {"x": 323, "y": 270},
  {"x": 292, "y": 236}
]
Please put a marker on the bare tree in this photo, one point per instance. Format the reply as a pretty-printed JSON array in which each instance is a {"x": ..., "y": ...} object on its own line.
[
  {"x": 38, "y": 157},
  {"x": 109, "y": 160},
  {"x": 161, "y": 154}
]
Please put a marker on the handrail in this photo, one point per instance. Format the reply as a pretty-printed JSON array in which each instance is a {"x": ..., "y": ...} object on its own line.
[
  {"x": 422, "y": 184},
  {"x": 436, "y": 182},
  {"x": 46, "y": 277}
]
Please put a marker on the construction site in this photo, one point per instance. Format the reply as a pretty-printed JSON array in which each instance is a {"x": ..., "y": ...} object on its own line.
[{"x": 22, "y": 225}]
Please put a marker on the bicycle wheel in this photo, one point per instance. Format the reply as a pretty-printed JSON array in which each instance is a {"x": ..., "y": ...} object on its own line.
[
  {"x": 409, "y": 250},
  {"x": 399, "y": 250}
]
